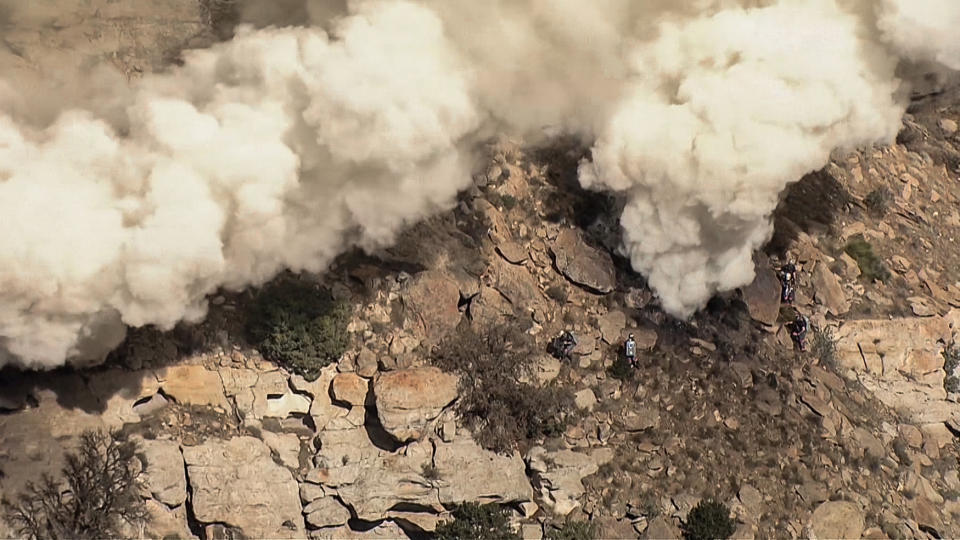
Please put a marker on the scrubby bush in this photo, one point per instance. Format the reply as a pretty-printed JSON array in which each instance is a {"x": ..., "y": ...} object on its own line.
[
  {"x": 299, "y": 325},
  {"x": 501, "y": 410},
  {"x": 474, "y": 521},
  {"x": 951, "y": 360},
  {"x": 557, "y": 293},
  {"x": 708, "y": 520},
  {"x": 825, "y": 345},
  {"x": 98, "y": 493},
  {"x": 871, "y": 267},
  {"x": 573, "y": 530},
  {"x": 878, "y": 200},
  {"x": 621, "y": 368}
]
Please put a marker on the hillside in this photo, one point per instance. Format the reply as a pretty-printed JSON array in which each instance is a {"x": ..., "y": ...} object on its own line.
[{"x": 857, "y": 436}]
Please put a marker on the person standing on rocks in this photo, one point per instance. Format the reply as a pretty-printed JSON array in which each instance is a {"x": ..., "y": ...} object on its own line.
[
  {"x": 798, "y": 330},
  {"x": 788, "y": 279},
  {"x": 630, "y": 350}
]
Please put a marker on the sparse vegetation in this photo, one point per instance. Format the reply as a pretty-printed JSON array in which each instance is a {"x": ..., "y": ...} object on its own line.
[
  {"x": 298, "y": 325},
  {"x": 878, "y": 200},
  {"x": 824, "y": 345},
  {"x": 951, "y": 360},
  {"x": 557, "y": 293},
  {"x": 430, "y": 471},
  {"x": 621, "y": 368},
  {"x": 486, "y": 522},
  {"x": 871, "y": 267},
  {"x": 96, "y": 495},
  {"x": 572, "y": 530},
  {"x": 501, "y": 411},
  {"x": 708, "y": 520}
]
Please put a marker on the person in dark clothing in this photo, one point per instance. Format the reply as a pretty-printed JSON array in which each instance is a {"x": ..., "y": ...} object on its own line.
[
  {"x": 798, "y": 331},
  {"x": 568, "y": 342},
  {"x": 788, "y": 281},
  {"x": 562, "y": 346}
]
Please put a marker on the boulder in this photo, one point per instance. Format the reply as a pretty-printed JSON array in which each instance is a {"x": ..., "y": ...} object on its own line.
[
  {"x": 585, "y": 399},
  {"x": 583, "y": 264},
  {"x": 163, "y": 471},
  {"x": 163, "y": 522},
  {"x": 828, "y": 292},
  {"x": 545, "y": 369},
  {"x": 762, "y": 296},
  {"x": 408, "y": 399},
  {"x": 345, "y": 452},
  {"x": 350, "y": 388},
  {"x": 512, "y": 252},
  {"x": 367, "y": 363},
  {"x": 900, "y": 361},
  {"x": 236, "y": 482},
  {"x": 612, "y": 325},
  {"x": 557, "y": 476},
  {"x": 391, "y": 481},
  {"x": 432, "y": 300},
  {"x": 470, "y": 473},
  {"x": 661, "y": 528},
  {"x": 193, "y": 385},
  {"x": 642, "y": 419},
  {"x": 322, "y": 408},
  {"x": 489, "y": 306},
  {"x": 516, "y": 284},
  {"x": 326, "y": 512},
  {"x": 646, "y": 338},
  {"x": 836, "y": 519}
]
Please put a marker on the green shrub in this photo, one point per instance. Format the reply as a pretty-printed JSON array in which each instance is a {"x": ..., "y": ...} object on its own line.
[
  {"x": 573, "y": 530},
  {"x": 501, "y": 411},
  {"x": 878, "y": 200},
  {"x": 871, "y": 267},
  {"x": 480, "y": 522},
  {"x": 708, "y": 520},
  {"x": 99, "y": 492},
  {"x": 298, "y": 325},
  {"x": 824, "y": 345}
]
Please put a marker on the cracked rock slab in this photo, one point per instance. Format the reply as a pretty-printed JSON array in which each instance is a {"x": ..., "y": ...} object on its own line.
[{"x": 237, "y": 483}]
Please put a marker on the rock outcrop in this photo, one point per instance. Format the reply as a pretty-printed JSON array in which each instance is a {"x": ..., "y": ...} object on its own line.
[
  {"x": 836, "y": 519},
  {"x": 431, "y": 299},
  {"x": 583, "y": 264},
  {"x": 236, "y": 482},
  {"x": 558, "y": 475},
  {"x": 467, "y": 472},
  {"x": 762, "y": 296},
  {"x": 163, "y": 474},
  {"x": 408, "y": 399}
]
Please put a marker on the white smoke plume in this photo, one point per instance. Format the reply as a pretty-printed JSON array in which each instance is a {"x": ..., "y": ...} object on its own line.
[
  {"x": 284, "y": 146},
  {"x": 272, "y": 151}
]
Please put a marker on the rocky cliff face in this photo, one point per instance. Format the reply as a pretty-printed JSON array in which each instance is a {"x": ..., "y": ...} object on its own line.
[{"x": 861, "y": 442}]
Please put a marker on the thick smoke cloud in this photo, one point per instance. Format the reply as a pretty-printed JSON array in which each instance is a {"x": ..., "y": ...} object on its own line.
[
  {"x": 284, "y": 146},
  {"x": 275, "y": 150},
  {"x": 723, "y": 112}
]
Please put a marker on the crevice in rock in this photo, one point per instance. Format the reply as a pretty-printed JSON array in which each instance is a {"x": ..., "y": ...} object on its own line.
[
  {"x": 192, "y": 523},
  {"x": 375, "y": 431}
]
